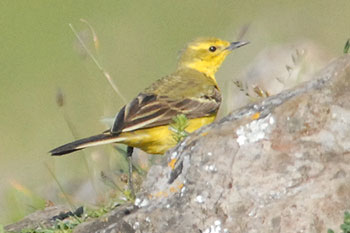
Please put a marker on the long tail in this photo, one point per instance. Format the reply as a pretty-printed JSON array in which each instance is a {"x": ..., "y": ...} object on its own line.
[{"x": 95, "y": 140}]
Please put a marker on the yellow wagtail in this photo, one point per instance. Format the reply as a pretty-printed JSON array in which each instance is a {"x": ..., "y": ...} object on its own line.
[{"x": 191, "y": 90}]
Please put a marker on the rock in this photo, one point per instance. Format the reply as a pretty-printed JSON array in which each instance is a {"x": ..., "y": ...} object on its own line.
[
  {"x": 109, "y": 223},
  {"x": 37, "y": 219},
  {"x": 281, "y": 165}
]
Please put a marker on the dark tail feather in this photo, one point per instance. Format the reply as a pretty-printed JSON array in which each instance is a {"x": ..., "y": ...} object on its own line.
[{"x": 96, "y": 140}]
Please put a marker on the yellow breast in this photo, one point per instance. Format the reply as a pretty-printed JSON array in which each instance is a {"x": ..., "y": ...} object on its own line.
[{"x": 159, "y": 139}]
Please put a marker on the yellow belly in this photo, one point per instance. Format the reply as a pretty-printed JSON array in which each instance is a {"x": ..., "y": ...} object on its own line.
[{"x": 159, "y": 139}]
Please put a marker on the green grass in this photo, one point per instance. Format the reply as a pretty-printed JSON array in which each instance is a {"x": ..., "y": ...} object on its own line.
[
  {"x": 67, "y": 225},
  {"x": 345, "y": 227}
]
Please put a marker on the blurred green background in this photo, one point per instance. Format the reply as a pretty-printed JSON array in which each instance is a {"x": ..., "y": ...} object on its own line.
[{"x": 139, "y": 43}]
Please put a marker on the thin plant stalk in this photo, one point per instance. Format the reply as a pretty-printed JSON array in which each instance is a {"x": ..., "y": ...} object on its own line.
[
  {"x": 60, "y": 102},
  {"x": 99, "y": 66},
  {"x": 60, "y": 187}
]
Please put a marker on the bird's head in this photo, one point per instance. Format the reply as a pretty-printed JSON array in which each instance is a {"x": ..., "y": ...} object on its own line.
[{"x": 207, "y": 54}]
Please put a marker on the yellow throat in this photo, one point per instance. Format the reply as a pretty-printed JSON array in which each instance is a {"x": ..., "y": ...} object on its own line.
[{"x": 206, "y": 55}]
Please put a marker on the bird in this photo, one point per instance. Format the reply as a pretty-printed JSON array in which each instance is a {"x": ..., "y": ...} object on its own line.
[{"x": 191, "y": 90}]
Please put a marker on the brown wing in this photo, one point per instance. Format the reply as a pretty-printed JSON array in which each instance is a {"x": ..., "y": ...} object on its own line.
[{"x": 150, "y": 110}]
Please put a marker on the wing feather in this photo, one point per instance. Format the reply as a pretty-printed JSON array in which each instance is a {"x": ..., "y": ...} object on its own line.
[
  {"x": 167, "y": 98},
  {"x": 157, "y": 111}
]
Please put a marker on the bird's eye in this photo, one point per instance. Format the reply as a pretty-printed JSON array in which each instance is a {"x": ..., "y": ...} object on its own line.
[{"x": 212, "y": 48}]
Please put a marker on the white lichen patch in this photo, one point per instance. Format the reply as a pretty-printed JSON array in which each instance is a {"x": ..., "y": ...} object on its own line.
[
  {"x": 136, "y": 225},
  {"x": 210, "y": 168},
  {"x": 137, "y": 201},
  {"x": 215, "y": 228},
  {"x": 255, "y": 130},
  {"x": 199, "y": 199},
  {"x": 141, "y": 203},
  {"x": 252, "y": 213},
  {"x": 217, "y": 223},
  {"x": 173, "y": 155},
  {"x": 182, "y": 192}
]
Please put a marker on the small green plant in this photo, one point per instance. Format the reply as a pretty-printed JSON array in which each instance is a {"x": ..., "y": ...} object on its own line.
[
  {"x": 345, "y": 227},
  {"x": 347, "y": 46},
  {"x": 99, "y": 212},
  {"x": 59, "y": 227},
  {"x": 179, "y": 125}
]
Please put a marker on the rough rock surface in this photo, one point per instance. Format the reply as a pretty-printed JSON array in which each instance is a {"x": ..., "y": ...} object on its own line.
[
  {"x": 111, "y": 222},
  {"x": 280, "y": 165},
  {"x": 37, "y": 219}
]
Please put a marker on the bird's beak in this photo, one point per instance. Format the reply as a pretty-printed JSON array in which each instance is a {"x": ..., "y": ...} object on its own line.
[{"x": 235, "y": 45}]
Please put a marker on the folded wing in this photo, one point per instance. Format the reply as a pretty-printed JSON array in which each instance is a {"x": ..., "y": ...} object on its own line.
[{"x": 151, "y": 110}]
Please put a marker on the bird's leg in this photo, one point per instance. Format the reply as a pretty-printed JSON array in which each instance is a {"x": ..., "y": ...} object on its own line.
[{"x": 129, "y": 152}]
